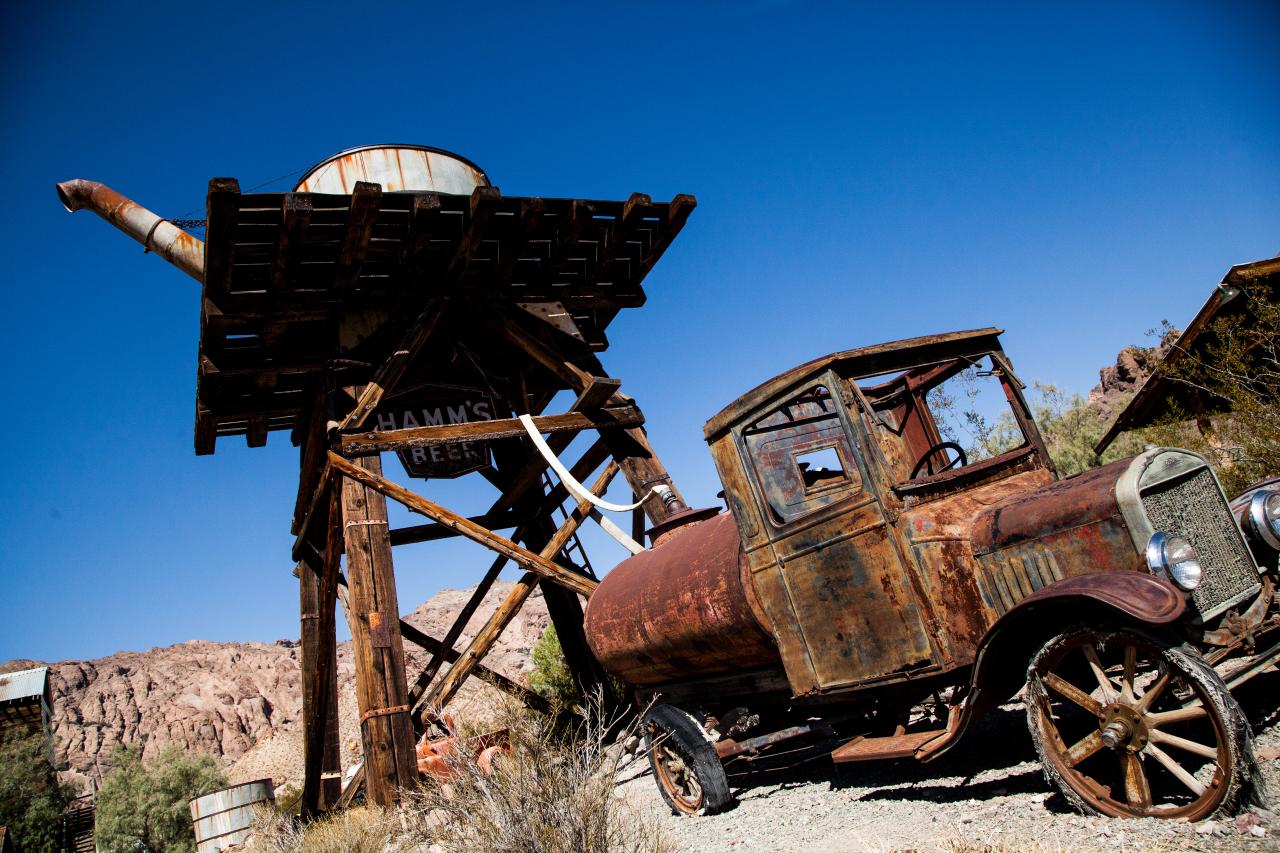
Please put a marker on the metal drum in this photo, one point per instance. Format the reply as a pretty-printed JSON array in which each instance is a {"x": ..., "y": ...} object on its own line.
[
  {"x": 396, "y": 168},
  {"x": 221, "y": 819}
]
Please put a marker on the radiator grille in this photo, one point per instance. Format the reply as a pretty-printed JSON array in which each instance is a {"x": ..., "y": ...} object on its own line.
[{"x": 1193, "y": 507}]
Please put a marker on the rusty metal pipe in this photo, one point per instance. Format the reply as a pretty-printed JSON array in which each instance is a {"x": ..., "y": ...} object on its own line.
[{"x": 155, "y": 233}]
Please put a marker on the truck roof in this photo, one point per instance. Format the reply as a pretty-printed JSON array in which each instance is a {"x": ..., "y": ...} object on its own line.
[{"x": 871, "y": 360}]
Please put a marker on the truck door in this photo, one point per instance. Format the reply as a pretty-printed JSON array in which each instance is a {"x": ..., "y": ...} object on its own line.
[{"x": 834, "y": 571}]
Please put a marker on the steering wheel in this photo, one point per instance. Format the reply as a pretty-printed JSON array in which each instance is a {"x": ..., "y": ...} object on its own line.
[{"x": 926, "y": 461}]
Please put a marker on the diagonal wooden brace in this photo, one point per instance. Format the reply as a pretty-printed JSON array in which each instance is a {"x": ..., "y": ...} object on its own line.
[
  {"x": 535, "y": 563},
  {"x": 445, "y": 689}
]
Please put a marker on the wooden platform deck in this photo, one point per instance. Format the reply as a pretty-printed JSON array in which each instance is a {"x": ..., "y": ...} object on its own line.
[{"x": 281, "y": 268}]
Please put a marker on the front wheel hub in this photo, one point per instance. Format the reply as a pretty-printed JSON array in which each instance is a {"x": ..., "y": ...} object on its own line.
[{"x": 1123, "y": 728}]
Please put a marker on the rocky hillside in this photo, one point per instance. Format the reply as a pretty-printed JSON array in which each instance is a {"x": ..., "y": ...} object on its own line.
[{"x": 240, "y": 702}]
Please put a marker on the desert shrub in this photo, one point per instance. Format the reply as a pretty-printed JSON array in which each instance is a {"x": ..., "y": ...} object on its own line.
[
  {"x": 551, "y": 677},
  {"x": 144, "y": 806},
  {"x": 554, "y": 793},
  {"x": 365, "y": 829},
  {"x": 31, "y": 797}
]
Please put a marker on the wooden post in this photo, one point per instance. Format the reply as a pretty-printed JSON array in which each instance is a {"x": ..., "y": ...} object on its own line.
[
  {"x": 319, "y": 662},
  {"x": 381, "y": 689}
]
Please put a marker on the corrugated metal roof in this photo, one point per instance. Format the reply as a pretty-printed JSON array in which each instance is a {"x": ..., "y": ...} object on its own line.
[{"x": 23, "y": 684}]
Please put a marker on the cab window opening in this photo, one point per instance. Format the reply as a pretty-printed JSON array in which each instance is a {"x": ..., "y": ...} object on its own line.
[
  {"x": 944, "y": 416},
  {"x": 801, "y": 456}
]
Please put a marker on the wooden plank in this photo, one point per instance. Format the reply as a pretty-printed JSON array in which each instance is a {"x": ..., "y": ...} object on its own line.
[
  {"x": 365, "y": 444},
  {"x": 480, "y": 645},
  {"x": 222, "y": 207},
  {"x": 256, "y": 434},
  {"x": 377, "y": 647},
  {"x": 295, "y": 213},
  {"x": 318, "y": 591},
  {"x": 482, "y": 672},
  {"x": 366, "y": 199},
  {"x": 360, "y": 473},
  {"x": 391, "y": 371}
]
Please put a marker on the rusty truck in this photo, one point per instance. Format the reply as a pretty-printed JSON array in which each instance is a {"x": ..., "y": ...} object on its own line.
[{"x": 899, "y": 557}]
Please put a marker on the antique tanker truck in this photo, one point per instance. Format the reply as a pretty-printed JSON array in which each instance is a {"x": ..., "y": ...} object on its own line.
[{"x": 899, "y": 557}]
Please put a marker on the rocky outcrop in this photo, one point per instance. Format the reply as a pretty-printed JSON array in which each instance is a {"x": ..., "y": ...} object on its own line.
[
  {"x": 240, "y": 702},
  {"x": 1118, "y": 382}
]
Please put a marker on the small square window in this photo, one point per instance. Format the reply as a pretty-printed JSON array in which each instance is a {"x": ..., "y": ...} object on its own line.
[{"x": 821, "y": 468}]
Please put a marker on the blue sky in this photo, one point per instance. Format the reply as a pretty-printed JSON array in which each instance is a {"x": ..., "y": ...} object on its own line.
[{"x": 864, "y": 172}]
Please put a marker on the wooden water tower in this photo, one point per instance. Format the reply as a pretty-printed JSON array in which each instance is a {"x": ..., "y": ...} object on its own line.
[{"x": 397, "y": 301}]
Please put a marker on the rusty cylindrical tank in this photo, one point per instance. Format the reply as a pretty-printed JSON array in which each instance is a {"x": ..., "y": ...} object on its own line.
[
  {"x": 395, "y": 168},
  {"x": 680, "y": 610}
]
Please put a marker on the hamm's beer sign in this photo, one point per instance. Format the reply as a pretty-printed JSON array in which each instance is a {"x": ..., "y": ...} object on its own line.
[{"x": 447, "y": 460}]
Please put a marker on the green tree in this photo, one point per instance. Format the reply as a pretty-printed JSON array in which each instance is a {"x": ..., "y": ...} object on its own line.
[
  {"x": 143, "y": 807},
  {"x": 31, "y": 797},
  {"x": 1071, "y": 428}
]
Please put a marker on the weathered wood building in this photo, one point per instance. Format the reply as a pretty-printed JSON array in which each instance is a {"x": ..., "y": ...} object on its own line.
[{"x": 397, "y": 301}]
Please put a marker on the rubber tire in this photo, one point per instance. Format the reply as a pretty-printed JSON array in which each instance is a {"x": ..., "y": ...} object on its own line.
[
  {"x": 688, "y": 740},
  {"x": 1245, "y": 785}
]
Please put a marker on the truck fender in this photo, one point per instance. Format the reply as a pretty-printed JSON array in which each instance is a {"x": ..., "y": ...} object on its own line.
[
  {"x": 1136, "y": 599},
  {"x": 1133, "y": 598}
]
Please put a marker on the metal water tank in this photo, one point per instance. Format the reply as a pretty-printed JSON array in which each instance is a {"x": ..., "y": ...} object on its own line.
[
  {"x": 396, "y": 168},
  {"x": 222, "y": 819}
]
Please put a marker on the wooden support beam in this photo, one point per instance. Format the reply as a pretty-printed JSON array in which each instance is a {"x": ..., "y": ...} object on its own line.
[
  {"x": 677, "y": 214},
  {"x": 366, "y": 200},
  {"x": 572, "y": 375},
  {"x": 363, "y": 475},
  {"x": 623, "y": 226},
  {"x": 445, "y": 689},
  {"x": 377, "y": 647},
  {"x": 422, "y": 216},
  {"x": 391, "y": 371},
  {"x": 295, "y": 216},
  {"x": 531, "y": 214},
  {"x": 484, "y": 201},
  {"x": 580, "y": 470},
  {"x": 416, "y": 533},
  {"x": 319, "y": 589},
  {"x": 368, "y": 443},
  {"x": 221, "y": 211},
  {"x": 482, "y": 672}
]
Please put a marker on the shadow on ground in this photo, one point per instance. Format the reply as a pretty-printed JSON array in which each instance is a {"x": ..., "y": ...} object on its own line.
[{"x": 997, "y": 742}]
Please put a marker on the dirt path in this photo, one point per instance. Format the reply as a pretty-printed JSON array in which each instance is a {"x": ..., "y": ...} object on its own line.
[{"x": 988, "y": 793}]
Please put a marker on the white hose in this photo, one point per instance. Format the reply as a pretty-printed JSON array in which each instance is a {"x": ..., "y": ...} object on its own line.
[{"x": 574, "y": 487}]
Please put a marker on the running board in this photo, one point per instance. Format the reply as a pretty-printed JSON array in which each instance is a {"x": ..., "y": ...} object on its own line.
[{"x": 876, "y": 748}]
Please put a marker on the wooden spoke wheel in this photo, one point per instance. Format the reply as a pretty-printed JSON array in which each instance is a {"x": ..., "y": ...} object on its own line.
[
  {"x": 689, "y": 774},
  {"x": 1129, "y": 726}
]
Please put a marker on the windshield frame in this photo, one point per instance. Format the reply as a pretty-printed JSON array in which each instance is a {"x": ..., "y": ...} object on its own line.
[{"x": 1031, "y": 450}]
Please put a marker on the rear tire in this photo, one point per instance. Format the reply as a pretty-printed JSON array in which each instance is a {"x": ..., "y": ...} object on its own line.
[{"x": 689, "y": 774}]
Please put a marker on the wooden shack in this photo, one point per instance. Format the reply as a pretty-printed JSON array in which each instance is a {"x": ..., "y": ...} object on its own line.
[{"x": 397, "y": 301}]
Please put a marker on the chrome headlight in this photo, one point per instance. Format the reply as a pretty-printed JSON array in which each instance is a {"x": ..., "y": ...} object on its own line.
[
  {"x": 1174, "y": 557},
  {"x": 1264, "y": 517}
]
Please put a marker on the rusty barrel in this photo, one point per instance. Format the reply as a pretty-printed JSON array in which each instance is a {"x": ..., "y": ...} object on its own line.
[
  {"x": 680, "y": 610},
  {"x": 221, "y": 820}
]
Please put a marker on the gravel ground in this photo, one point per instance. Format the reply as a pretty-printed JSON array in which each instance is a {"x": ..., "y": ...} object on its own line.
[{"x": 988, "y": 793}]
